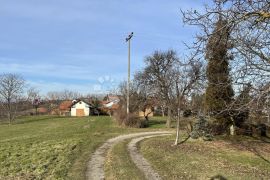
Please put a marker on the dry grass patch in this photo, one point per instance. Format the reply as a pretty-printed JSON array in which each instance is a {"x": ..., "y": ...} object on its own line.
[{"x": 204, "y": 160}]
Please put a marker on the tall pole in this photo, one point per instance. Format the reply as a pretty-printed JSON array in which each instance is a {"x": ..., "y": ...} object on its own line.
[
  {"x": 128, "y": 83},
  {"x": 128, "y": 39}
]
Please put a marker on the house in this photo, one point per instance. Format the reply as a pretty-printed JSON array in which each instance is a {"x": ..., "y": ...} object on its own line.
[
  {"x": 64, "y": 108},
  {"x": 112, "y": 98},
  {"x": 42, "y": 110},
  {"x": 80, "y": 108},
  {"x": 74, "y": 108},
  {"x": 148, "y": 112},
  {"x": 110, "y": 104}
]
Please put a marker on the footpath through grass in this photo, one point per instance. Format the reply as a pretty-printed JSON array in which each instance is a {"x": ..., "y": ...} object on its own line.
[
  {"x": 46, "y": 147},
  {"x": 240, "y": 158},
  {"x": 119, "y": 164}
]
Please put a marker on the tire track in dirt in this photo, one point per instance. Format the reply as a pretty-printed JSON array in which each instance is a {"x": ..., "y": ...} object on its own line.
[
  {"x": 95, "y": 167},
  {"x": 140, "y": 161}
]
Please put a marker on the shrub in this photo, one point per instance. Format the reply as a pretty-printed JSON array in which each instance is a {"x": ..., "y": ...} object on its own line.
[
  {"x": 262, "y": 129},
  {"x": 246, "y": 130},
  {"x": 187, "y": 113},
  {"x": 134, "y": 120},
  {"x": 217, "y": 129},
  {"x": 201, "y": 130},
  {"x": 240, "y": 118}
]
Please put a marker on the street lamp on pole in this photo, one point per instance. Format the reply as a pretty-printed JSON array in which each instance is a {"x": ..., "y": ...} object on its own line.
[{"x": 128, "y": 39}]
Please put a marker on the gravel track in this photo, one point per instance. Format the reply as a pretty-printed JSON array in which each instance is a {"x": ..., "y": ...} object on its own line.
[
  {"x": 95, "y": 167},
  {"x": 140, "y": 161}
]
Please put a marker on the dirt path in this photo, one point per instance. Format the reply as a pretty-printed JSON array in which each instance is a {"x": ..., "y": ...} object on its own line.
[
  {"x": 140, "y": 161},
  {"x": 95, "y": 167}
]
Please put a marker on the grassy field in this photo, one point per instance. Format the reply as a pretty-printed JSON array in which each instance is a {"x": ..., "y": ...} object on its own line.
[
  {"x": 46, "y": 147},
  {"x": 240, "y": 158}
]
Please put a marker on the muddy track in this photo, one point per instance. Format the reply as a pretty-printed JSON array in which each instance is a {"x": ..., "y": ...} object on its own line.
[{"x": 95, "y": 167}]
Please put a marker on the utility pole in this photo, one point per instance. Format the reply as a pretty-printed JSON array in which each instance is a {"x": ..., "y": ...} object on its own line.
[{"x": 128, "y": 39}]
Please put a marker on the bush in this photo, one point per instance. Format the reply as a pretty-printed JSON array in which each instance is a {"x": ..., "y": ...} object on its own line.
[
  {"x": 245, "y": 130},
  {"x": 134, "y": 120},
  {"x": 259, "y": 130},
  {"x": 201, "y": 129},
  {"x": 240, "y": 118},
  {"x": 187, "y": 113},
  {"x": 217, "y": 129},
  {"x": 262, "y": 130}
]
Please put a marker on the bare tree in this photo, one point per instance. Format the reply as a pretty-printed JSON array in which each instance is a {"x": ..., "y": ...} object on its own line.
[
  {"x": 63, "y": 95},
  {"x": 11, "y": 89},
  {"x": 69, "y": 95},
  {"x": 159, "y": 75},
  {"x": 146, "y": 96},
  {"x": 53, "y": 95},
  {"x": 32, "y": 93},
  {"x": 249, "y": 38},
  {"x": 249, "y": 24},
  {"x": 33, "y": 97},
  {"x": 171, "y": 81},
  {"x": 188, "y": 78},
  {"x": 138, "y": 102}
]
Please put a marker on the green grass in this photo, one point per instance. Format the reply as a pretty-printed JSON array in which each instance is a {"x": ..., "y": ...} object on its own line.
[
  {"x": 46, "y": 147},
  {"x": 246, "y": 159},
  {"x": 157, "y": 122},
  {"x": 119, "y": 164}
]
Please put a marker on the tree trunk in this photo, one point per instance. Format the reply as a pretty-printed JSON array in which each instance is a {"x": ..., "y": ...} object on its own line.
[
  {"x": 232, "y": 129},
  {"x": 169, "y": 119},
  {"x": 163, "y": 111},
  {"x": 177, "y": 128},
  {"x": 9, "y": 117},
  {"x": 268, "y": 118},
  {"x": 9, "y": 114},
  {"x": 146, "y": 118}
]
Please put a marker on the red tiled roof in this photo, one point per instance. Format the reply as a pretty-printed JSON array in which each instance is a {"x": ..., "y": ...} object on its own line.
[
  {"x": 114, "y": 107},
  {"x": 42, "y": 110},
  {"x": 65, "y": 106}
]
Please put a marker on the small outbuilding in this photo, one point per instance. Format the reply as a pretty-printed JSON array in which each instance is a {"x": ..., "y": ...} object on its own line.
[
  {"x": 64, "y": 108},
  {"x": 80, "y": 108}
]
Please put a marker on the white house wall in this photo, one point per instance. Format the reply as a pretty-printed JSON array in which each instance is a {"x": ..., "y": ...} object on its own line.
[{"x": 80, "y": 105}]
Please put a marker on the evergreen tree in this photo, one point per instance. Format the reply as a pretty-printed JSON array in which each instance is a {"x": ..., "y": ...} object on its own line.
[
  {"x": 201, "y": 130},
  {"x": 241, "y": 107},
  {"x": 219, "y": 92}
]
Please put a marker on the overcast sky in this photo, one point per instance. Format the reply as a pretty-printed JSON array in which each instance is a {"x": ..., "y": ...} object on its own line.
[{"x": 80, "y": 44}]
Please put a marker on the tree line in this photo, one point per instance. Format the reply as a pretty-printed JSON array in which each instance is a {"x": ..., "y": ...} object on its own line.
[{"x": 17, "y": 97}]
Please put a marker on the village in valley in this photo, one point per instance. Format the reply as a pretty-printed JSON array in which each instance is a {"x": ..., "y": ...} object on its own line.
[{"x": 126, "y": 91}]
